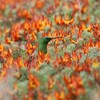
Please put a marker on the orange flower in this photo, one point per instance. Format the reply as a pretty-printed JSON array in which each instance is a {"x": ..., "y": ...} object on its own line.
[
  {"x": 29, "y": 48},
  {"x": 66, "y": 22},
  {"x": 42, "y": 23},
  {"x": 33, "y": 37},
  {"x": 33, "y": 81},
  {"x": 39, "y": 4},
  {"x": 84, "y": 9},
  {"x": 67, "y": 60},
  {"x": 26, "y": 25},
  {"x": 41, "y": 56},
  {"x": 1, "y": 48},
  {"x": 23, "y": 13},
  {"x": 9, "y": 61},
  {"x": 4, "y": 71},
  {"x": 59, "y": 20},
  {"x": 15, "y": 32},
  {"x": 60, "y": 95},
  {"x": 20, "y": 62},
  {"x": 50, "y": 83},
  {"x": 7, "y": 40},
  {"x": 74, "y": 85}
]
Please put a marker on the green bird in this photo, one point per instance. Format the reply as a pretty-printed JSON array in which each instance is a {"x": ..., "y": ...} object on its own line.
[{"x": 43, "y": 42}]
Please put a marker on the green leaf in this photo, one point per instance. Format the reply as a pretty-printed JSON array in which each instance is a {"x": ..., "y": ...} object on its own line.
[
  {"x": 93, "y": 52},
  {"x": 70, "y": 48},
  {"x": 22, "y": 89},
  {"x": 87, "y": 35},
  {"x": 97, "y": 12},
  {"x": 24, "y": 74},
  {"x": 47, "y": 28},
  {"x": 15, "y": 54},
  {"x": 43, "y": 44},
  {"x": 80, "y": 42},
  {"x": 83, "y": 58}
]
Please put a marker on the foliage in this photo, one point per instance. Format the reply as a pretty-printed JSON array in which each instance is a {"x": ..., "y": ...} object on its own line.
[{"x": 49, "y": 50}]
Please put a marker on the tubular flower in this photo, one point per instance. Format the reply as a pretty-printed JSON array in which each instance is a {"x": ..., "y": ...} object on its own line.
[
  {"x": 33, "y": 82},
  {"x": 1, "y": 48},
  {"x": 74, "y": 85}
]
